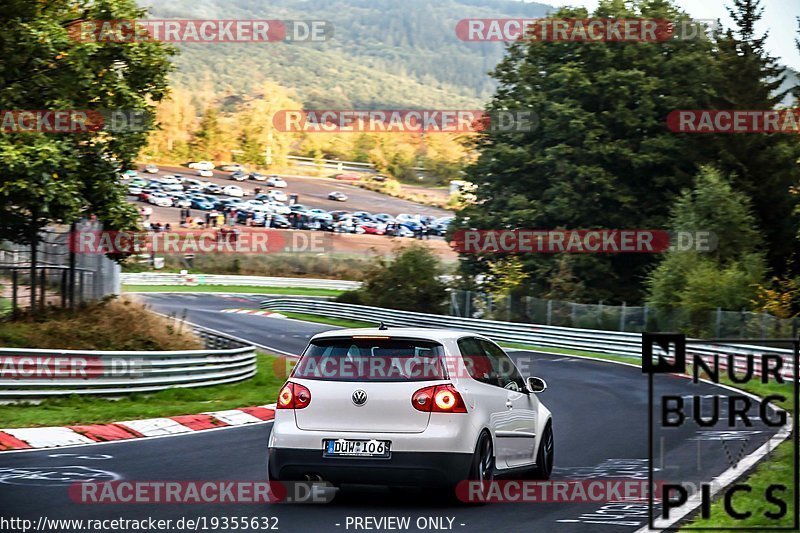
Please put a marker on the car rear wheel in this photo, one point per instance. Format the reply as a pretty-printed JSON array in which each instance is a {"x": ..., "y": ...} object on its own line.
[
  {"x": 544, "y": 459},
  {"x": 482, "y": 468}
]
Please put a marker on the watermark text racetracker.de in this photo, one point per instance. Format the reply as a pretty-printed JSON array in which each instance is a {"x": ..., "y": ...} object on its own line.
[
  {"x": 73, "y": 121},
  {"x": 199, "y": 492},
  {"x": 734, "y": 121},
  {"x": 583, "y": 29},
  {"x": 205, "y": 241},
  {"x": 601, "y": 241},
  {"x": 201, "y": 31},
  {"x": 404, "y": 120},
  {"x": 64, "y": 365}
]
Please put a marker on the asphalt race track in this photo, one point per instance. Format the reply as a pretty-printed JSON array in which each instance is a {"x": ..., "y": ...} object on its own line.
[{"x": 600, "y": 411}]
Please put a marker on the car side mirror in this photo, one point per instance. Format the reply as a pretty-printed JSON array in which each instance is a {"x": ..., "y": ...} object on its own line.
[{"x": 536, "y": 385}]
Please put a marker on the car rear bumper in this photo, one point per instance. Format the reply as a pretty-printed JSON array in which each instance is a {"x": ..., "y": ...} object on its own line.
[{"x": 430, "y": 469}]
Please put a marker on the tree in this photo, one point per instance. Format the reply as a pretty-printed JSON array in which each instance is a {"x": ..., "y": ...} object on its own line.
[
  {"x": 207, "y": 142},
  {"x": 50, "y": 178},
  {"x": 728, "y": 276},
  {"x": 763, "y": 166},
  {"x": 410, "y": 282},
  {"x": 255, "y": 129},
  {"x": 177, "y": 119},
  {"x": 600, "y": 156}
]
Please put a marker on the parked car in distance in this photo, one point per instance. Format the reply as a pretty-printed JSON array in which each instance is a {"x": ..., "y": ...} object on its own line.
[
  {"x": 383, "y": 217},
  {"x": 398, "y": 230},
  {"x": 318, "y": 212},
  {"x": 379, "y": 178},
  {"x": 440, "y": 225},
  {"x": 129, "y": 174},
  {"x": 201, "y": 165},
  {"x": 134, "y": 189},
  {"x": 276, "y": 181},
  {"x": 172, "y": 187},
  {"x": 373, "y": 228},
  {"x": 338, "y": 214},
  {"x": 201, "y": 202},
  {"x": 169, "y": 179},
  {"x": 233, "y": 190},
  {"x": 276, "y": 207},
  {"x": 337, "y": 196},
  {"x": 228, "y": 204},
  {"x": 277, "y": 196},
  {"x": 151, "y": 169},
  {"x": 403, "y": 218},
  {"x": 321, "y": 222},
  {"x": 239, "y": 176},
  {"x": 279, "y": 221},
  {"x": 232, "y": 167},
  {"x": 257, "y": 176},
  {"x": 159, "y": 199},
  {"x": 213, "y": 188},
  {"x": 347, "y": 176},
  {"x": 192, "y": 185},
  {"x": 145, "y": 193},
  {"x": 203, "y": 173},
  {"x": 181, "y": 200}
]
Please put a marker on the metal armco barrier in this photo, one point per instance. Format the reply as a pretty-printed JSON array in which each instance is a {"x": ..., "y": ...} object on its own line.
[
  {"x": 597, "y": 341},
  {"x": 151, "y": 278},
  {"x": 34, "y": 373}
]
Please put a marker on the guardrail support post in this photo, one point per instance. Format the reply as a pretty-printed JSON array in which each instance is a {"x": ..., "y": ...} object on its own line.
[
  {"x": 43, "y": 282},
  {"x": 14, "y": 288}
]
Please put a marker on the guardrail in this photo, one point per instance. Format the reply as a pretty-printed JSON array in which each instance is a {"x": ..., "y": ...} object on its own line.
[
  {"x": 36, "y": 373},
  {"x": 159, "y": 278},
  {"x": 597, "y": 341}
]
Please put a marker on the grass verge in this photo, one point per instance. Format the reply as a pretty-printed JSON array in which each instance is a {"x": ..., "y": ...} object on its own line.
[
  {"x": 778, "y": 468},
  {"x": 114, "y": 324},
  {"x": 567, "y": 351},
  {"x": 300, "y": 291},
  {"x": 343, "y": 322},
  {"x": 259, "y": 390}
]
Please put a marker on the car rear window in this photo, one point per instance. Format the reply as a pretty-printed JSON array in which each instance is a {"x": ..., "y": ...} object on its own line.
[{"x": 372, "y": 359}]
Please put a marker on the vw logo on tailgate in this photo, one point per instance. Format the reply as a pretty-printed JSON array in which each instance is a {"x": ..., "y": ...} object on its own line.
[{"x": 360, "y": 397}]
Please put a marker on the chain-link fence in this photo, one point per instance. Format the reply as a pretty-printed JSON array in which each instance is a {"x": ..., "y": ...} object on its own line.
[
  {"x": 717, "y": 323},
  {"x": 59, "y": 275}
]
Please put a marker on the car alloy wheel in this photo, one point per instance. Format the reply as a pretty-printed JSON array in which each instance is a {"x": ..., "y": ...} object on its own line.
[{"x": 544, "y": 459}]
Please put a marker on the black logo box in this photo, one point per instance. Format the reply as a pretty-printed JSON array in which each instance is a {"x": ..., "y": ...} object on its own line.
[{"x": 673, "y": 361}]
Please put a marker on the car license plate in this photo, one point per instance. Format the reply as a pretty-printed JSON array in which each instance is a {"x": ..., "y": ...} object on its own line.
[{"x": 356, "y": 448}]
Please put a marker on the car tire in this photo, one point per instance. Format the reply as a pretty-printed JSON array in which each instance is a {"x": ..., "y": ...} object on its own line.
[
  {"x": 544, "y": 458},
  {"x": 483, "y": 462}
]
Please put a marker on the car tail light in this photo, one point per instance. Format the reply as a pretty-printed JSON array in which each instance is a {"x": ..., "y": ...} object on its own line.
[
  {"x": 438, "y": 399},
  {"x": 293, "y": 396}
]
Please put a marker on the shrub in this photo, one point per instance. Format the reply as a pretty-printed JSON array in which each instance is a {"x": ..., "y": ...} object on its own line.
[{"x": 411, "y": 281}]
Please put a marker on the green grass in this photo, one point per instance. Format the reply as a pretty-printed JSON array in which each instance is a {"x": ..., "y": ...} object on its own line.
[
  {"x": 343, "y": 322},
  {"x": 777, "y": 469},
  {"x": 567, "y": 351},
  {"x": 259, "y": 390},
  {"x": 300, "y": 291}
]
